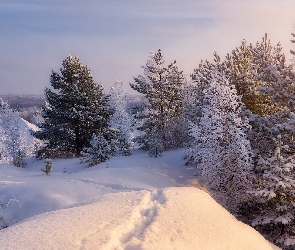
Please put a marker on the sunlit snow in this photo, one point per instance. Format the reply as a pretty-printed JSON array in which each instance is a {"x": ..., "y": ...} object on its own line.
[{"x": 138, "y": 202}]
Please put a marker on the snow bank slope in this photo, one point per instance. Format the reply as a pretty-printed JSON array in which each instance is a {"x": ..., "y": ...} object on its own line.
[{"x": 172, "y": 218}]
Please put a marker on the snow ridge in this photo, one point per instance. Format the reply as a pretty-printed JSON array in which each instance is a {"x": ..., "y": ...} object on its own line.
[{"x": 96, "y": 208}]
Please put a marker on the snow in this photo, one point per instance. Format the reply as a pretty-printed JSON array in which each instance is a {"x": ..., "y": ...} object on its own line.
[
  {"x": 27, "y": 125},
  {"x": 129, "y": 202}
]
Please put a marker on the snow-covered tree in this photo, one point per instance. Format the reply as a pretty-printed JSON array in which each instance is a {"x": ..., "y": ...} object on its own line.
[
  {"x": 162, "y": 88},
  {"x": 279, "y": 80},
  {"x": 220, "y": 147},
  {"x": 274, "y": 195},
  {"x": 191, "y": 102},
  {"x": 14, "y": 142},
  {"x": 156, "y": 147},
  {"x": 264, "y": 129},
  {"x": 263, "y": 80},
  {"x": 75, "y": 109},
  {"x": 246, "y": 68},
  {"x": 3, "y": 136},
  {"x": 3, "y": 106},
  {"x": 99, "y": 151},
  {"x": 276, "y": 81},
  {"x": 194, "y": 92},
  {"x": 122, "y": 119}
]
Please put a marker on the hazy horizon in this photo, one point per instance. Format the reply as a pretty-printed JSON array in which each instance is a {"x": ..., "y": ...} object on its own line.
[{"x": 114, "y": 37}]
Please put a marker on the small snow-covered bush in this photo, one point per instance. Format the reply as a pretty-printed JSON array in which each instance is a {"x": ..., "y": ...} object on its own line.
[
  {"x": 125, "y": 146},
  {"x": 19, "y": 158},
  {"x": 99, "y": 151},
  {"x": 48, "y": 166},
  {"x": 9, "y": 209}
]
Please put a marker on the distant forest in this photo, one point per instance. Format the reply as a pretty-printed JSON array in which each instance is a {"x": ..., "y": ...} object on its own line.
[
  {"x": 24, "y": 101},
  {"x": 20, "y": 102}
]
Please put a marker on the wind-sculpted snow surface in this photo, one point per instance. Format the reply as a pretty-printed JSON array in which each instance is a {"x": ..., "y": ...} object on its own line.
[
  {"x": 174, "y": 218},
  {"x": 137, "y": 203}
]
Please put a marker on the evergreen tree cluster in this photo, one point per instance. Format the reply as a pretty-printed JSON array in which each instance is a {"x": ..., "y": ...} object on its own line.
[
  {"x": 80, "y": 119},
  {"x": 226, "y": 114},
  {"x": 274, "y": 195},
  {"x": 75, "y": 109},
  {"x": 235, "y": 110}
]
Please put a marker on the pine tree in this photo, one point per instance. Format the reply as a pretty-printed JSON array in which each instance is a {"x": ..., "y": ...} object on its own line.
[
  {"x": 220, "y": 146},
  {"x": 292, "y": 41},
  {"x": 274, "y": 196},
  {"x": 75, "y": 109},
  {"x": 277, "y": 82},
  {"x": 162, "y": 88},
  {"x": 246, "y": 67}
]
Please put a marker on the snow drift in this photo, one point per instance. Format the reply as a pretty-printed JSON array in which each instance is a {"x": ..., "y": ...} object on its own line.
[
  {"x": 173, "y": 218},
  {"x": 138, "y": 202}
]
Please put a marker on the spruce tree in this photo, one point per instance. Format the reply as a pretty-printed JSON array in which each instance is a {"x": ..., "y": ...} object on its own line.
[
  {"x": 163, "y": 113},
  {"x": 76, "y": 109},
  {"x": 246, "y": 68},
  {"x": 122, "y": 119},
  {"x": 220, "y": 147},
  {"x": 273, "y": 194},
  {"x": 201, "y": 79}
]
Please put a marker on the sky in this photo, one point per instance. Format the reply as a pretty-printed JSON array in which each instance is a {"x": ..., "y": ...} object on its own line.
[{"x": 114, "y": 37}]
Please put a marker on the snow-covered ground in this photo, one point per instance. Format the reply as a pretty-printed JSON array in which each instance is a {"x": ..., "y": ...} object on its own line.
[{"x": 129, "y": 202}]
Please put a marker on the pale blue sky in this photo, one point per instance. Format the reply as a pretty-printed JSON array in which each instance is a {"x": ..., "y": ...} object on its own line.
[{"x": 114, "y": 37}]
